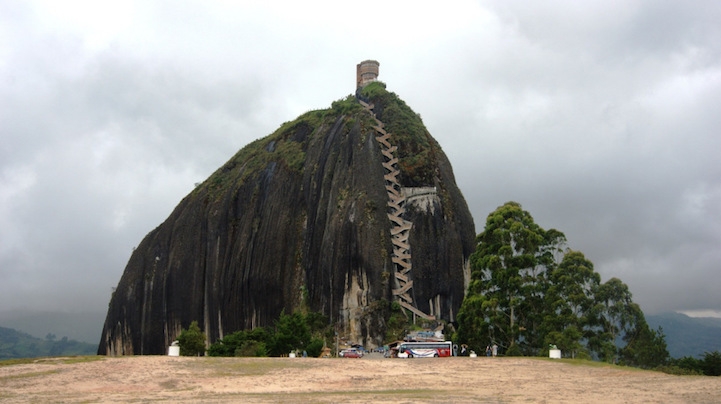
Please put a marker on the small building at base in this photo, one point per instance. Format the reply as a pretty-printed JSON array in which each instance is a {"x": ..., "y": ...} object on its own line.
[{"x": 174, "y": 349}]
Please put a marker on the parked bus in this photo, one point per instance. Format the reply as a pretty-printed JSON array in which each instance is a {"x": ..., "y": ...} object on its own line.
[{"x": 425, "y": 349}]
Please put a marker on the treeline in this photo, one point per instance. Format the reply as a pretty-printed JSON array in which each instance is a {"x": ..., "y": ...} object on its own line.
[
  {"x": 303, "y": 330},
  {"x": 528, "y": 291},
  {"x": 290, "y": 333},
  {"x": 709, "y": 365},
  {"x": 16, "y": 344}
]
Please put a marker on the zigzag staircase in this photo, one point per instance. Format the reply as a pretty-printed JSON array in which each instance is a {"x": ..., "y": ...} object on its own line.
[{"x": 400, "y": 228}]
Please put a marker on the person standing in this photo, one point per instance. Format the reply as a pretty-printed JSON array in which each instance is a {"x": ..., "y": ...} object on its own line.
[{"x": 494, "y": 348}]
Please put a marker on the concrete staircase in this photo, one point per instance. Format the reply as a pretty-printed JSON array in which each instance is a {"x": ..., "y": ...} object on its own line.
[{"x": 400, "y": 228}]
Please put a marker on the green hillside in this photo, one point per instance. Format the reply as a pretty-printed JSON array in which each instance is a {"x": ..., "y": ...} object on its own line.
[{"x": 16, "y": 344}]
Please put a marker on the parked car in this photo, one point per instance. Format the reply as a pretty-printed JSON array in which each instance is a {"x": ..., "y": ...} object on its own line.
[{"x": 350, "y": 353}]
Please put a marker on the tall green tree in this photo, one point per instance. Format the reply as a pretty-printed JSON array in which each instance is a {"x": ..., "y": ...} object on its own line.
[
  {"x": 711, "y": 363},
  {"x": 192, "y": 341},
  {"x": 291, "y": 332},
  {"x": 615, "y": 315},
  {"x": 645, "y": 348},
  {"x": 504, "y": 304},
  {"x": 570, "y": 301}
]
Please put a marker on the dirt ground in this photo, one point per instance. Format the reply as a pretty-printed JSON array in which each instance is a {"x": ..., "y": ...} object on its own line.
[{"x": 369, "y": 379}]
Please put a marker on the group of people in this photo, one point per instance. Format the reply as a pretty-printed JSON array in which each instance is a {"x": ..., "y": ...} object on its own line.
[{"x": 491, "y": 350}]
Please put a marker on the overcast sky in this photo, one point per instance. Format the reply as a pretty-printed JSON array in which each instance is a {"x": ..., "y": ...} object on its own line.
[{"x": 602, "y": 118}]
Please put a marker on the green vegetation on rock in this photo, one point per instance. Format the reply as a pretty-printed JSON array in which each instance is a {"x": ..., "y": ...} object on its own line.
[
  {"x": 286, "y": 145},
  {"x": 416, "y": 148}
]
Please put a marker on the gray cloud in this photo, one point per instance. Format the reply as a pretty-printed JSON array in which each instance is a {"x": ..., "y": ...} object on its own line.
[{"x": 601, "y": 119}]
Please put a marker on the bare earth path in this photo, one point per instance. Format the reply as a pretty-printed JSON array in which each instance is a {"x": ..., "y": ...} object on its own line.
[{"x": 370, "y": 379}]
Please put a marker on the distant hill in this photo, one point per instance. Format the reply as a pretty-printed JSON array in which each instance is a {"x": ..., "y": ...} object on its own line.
[
  {"x": 688, "y": 336},
  {"x": 83, "y": 327},
  {"x": 17, "y": 344}
]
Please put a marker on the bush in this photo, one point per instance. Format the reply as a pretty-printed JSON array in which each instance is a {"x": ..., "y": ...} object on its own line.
[
  {"x": 291, "y": 333},
  {"x": 398, "y": 323},
  {"x": 252, "y": 348},
  {"x": 514, "y": 350},
  {"x": 315, "y": 347},
  {"x": 679, "y": 371},
  {"x": 711, "y": 363},
  {"x": 583, "y": 354},
  {"x": 192, "y": 341},
  {"x": 242, "y": 343},
  {"x": 687, "y": 363},
  {"x": 346, "y": 106}
]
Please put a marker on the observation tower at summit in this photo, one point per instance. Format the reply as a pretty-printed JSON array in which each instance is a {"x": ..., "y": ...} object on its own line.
[{"x": 366, "y": 72}]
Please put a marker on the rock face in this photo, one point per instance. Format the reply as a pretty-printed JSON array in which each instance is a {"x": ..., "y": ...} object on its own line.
[{"x": 301, "y": 217}]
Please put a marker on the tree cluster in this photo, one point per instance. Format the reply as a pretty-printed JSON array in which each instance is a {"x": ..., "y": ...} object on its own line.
[
  {"x": 709, "y": 365},
  {"x": 291, "y": 333},
  {"x": 528, "y": 292},
  {"x": 192, "y": 341}
]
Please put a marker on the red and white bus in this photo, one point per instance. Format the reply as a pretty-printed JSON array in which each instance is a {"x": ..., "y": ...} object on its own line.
[{"x": 425, "y": 349}]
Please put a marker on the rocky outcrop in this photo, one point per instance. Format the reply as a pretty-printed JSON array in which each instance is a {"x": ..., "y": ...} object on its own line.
[{"x": 300, "y": 218}]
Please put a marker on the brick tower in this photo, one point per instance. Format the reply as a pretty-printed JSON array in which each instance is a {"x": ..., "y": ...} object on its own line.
[{"x": 366, "y": 72}]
